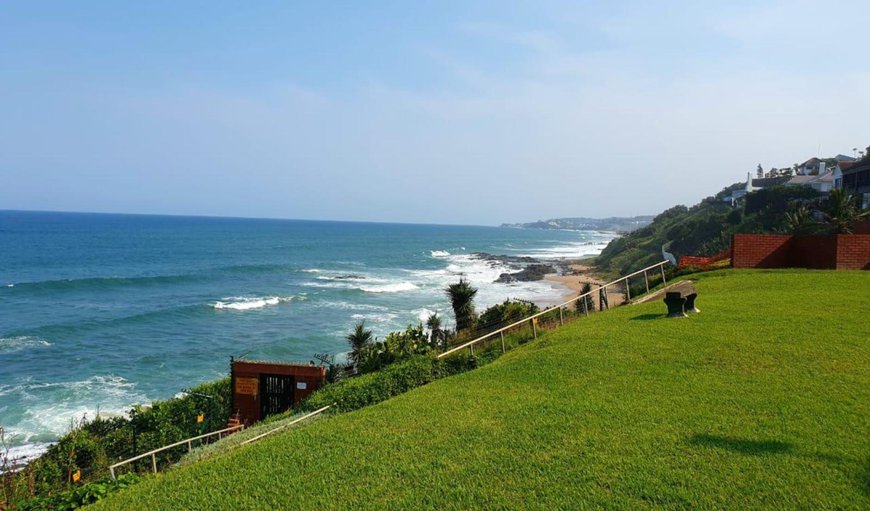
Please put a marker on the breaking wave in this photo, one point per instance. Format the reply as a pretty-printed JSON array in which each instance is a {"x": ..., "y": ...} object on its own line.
[
  {"x": 53, "y": 406},
  {"x": 241, "y": 303},
  {"x": 390, "y": 288},
  {"x": 21, "y": 342}
]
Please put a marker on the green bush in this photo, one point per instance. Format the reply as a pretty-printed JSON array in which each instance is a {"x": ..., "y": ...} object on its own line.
[
  {"x": 94, "y": 444},
  {"x": 502, "y": 314},
  {"x": 397, "y": 346},
  {"x": 378, "y": 386},
  {"x": 79, "y": 497}
]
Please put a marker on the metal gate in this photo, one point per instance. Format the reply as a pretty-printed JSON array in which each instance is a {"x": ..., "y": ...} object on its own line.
[{"x": 276, "y": 394}]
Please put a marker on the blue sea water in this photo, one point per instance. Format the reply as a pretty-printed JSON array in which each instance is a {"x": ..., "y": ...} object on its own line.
[{"x": 100, "y": 312}]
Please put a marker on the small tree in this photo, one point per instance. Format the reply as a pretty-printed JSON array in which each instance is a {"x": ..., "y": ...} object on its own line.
[
  {"x": 359, "y": 340},
  {"x": 799, "y": 221},
  {"x": 461, "y": 297},
  {"x": 433, "y": 323},
  {"x": 585, "y": 304},
  {"x": 843, "y": 211}
]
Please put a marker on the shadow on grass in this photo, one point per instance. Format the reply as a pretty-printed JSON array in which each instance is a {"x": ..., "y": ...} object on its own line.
[
  {"x": 865, "y": 479},
  {"x": 740, "y": 445},
  {"x": 647, "y": 317}
]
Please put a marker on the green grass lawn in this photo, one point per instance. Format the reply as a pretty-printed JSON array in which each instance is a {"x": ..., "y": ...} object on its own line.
[{"x": 762, "y": 401}]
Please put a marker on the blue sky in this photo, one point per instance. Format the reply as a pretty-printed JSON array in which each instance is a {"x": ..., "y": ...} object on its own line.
[{"x": 442, "y": 112}]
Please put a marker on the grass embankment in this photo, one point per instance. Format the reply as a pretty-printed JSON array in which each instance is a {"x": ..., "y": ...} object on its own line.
[{"x": 760, "y": 401}]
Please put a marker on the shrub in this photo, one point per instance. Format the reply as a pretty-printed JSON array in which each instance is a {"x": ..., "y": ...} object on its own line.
[
  {"x": 378, "y": 386},
  {"x": 505, "y": 313},
  {"x": 79, "y": 497},
  {"x": 93, "y": 444}
]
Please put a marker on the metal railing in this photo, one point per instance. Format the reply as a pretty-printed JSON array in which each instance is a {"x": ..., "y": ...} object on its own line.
[
  {"x": 284, "y": 426},
  {"x": 188, "y": 441},
  {"x": 531, "y": 319},
  {"x": 470, "y": 344}
]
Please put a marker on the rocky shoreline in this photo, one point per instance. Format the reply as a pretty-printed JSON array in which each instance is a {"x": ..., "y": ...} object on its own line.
[{"x": 526, "y": 269}]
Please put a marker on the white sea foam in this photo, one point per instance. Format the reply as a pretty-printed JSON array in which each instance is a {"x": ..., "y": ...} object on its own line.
[
  {"x": 22, "y": 342},
  {"x": 20, "y": 455},
  {"x": 390, "y": 288},
  {"x": 312, "y": 270},
  {"x": 50, "y": 408},
  {"x": 242, "y": 303},
  {"x": 351, "y": 306},
  {"x": 423, "y": 314},
  {"x": 569, "y": 251},
  {"x": 439, "y": 253},
  {"x": 482, "y": 275},
  {"x": 367, "y": 284}
]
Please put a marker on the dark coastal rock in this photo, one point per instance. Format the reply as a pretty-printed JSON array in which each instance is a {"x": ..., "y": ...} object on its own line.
[
  {"x": 528, "y": 274},
  {"x": 527, "y": 268},
  {"x": 505, "y": 259}
]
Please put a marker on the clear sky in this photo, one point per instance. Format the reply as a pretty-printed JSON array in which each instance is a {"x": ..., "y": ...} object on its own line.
[{"x": 437, "y": 112}]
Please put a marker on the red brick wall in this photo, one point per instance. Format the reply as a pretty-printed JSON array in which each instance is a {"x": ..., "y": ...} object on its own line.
[
  {"x": 818, "y": 252},
  {"x": 842, "y": 251},
  {"x": 853, "y": 251},
  {"x": 760, "y": 250}
]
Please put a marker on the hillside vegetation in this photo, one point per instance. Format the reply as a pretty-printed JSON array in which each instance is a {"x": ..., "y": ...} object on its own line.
[
  {"x": 761, "y": 401},
  {"x": 705, "y": 228}
]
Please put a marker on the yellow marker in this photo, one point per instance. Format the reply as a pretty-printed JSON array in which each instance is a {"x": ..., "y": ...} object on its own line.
[
  {"x": 200, "y": 418},
  {"x": 77, "y": 475}
]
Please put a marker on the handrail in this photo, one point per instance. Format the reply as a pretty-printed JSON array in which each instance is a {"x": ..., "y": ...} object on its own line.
[
  {"x": 524, "y": 320},
  {"x": 283, "y": 426},
  {"x": 187, "y": 441}
]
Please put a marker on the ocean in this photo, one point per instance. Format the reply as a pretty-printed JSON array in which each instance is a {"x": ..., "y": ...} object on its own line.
[{"x": 100, "y": 312}]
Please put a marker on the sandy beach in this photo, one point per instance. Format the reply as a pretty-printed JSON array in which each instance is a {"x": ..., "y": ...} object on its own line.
[{"x": 581, "y": 272}]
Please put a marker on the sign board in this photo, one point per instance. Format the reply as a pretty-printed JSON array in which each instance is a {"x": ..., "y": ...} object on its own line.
[
  {"x": 301, "y": 385},
  {"x": 200, "y": 418},
  {"x": 76, "y": 476},
  {"x": 248, "y": 386}
]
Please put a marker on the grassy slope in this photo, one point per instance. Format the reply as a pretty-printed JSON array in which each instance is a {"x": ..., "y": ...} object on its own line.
[{"x": 761, "y": 401}]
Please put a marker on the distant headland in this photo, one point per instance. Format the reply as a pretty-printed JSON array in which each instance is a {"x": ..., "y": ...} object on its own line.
[{"x": 615, "y": 224}]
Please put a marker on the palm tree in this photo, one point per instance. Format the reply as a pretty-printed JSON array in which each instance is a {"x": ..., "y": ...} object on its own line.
[
  {"x": 799, "y": 221},
  {"x": 359, "y": 340},
  {"x": 462, "y": 300},
  {"x": 843, "y": 211},
  {"x": 433, "y": 323}
]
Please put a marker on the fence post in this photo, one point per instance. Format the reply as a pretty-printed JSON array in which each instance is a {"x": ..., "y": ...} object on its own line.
[
  {"x": 627, "y": 289},
  {"x": 112, "y": 471},
  {"x": 471, "y": 347},
  {"x": 662, "y": 268},
  {"x": 502, "y": 342},
  {"x": 646, "y": 281},
  {"x": 534, "y": 330},
  {"x": 586, "y": 304},
  {"x": 154, "y": 462},
  {"x": 220, "y": 435},
  {"x": 189, "y": 446},
  {"x": 561, "y": 320}
]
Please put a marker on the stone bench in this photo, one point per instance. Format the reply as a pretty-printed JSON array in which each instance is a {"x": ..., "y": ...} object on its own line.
[{"x": 680, "y": 300}]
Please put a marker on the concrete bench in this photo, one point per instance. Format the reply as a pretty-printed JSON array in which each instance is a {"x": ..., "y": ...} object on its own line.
[{"x": 680, "y": 300}]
